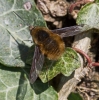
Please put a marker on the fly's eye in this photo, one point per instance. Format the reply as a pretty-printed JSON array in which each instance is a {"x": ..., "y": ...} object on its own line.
[{"x": 42, "y": 35}]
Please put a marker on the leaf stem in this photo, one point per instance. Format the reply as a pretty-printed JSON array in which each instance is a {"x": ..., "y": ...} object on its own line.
[{"x": 90, "y": 63}]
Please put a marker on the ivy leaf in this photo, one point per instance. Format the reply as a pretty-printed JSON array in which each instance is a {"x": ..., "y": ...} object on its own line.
[
  {"x": 15, "y": 36},
  {"x": 89, "y": 15},
  {"x": 74, "y": 96},
  {"x": 14, "y": 40},
  {"x": 14, "y": 85},
  {"x": 65, "y": 65}
]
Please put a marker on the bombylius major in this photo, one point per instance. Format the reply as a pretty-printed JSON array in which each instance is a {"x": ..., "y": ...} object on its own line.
[{"x": 49, "y": 43}]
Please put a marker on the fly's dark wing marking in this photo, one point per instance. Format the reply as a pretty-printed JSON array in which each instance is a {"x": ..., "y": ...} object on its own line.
[
  {"x": 69, "y": 31},
  {"x": 37, "y": 64}
]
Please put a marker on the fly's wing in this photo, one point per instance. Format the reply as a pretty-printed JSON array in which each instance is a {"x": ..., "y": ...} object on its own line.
[
  {"x": 37, "y": 64},
  {"x": 69, "y": 31}
]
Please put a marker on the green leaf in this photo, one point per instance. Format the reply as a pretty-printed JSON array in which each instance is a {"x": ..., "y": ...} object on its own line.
[
  {"x": 49, "y": 94},
  {"x": 14, "y": 21},
  {"x": 89, "y": 15},
  {"x": 15, "y": 36},
  {"x": 65, "y": 65},
  {"x": 14, "y": 85},
  {"x": 74, "y": 96}
]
